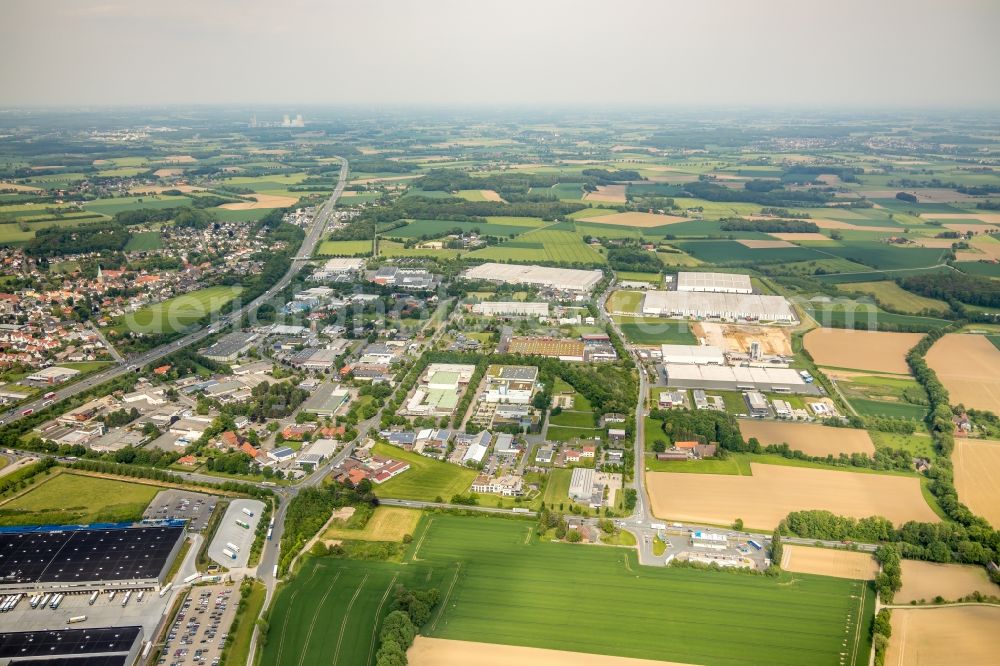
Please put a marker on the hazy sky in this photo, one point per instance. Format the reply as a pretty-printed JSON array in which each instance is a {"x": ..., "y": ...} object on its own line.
[{"x": 853, "y": 53}]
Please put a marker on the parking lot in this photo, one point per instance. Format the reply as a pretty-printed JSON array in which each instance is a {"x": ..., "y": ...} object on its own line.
[
  {"x": 196, "y": 508},
  {"x": 199, "y": 631},
  {"x": 231, "y": 533}
]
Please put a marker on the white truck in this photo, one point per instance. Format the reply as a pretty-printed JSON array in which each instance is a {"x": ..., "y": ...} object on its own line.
[{"x": 248, "y": 512}]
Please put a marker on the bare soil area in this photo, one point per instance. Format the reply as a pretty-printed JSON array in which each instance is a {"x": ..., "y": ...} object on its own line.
[
  {"x": 944, "y": 635},
  {"x": 926, "y": 580},
  {"x": 877, "y": 351},
  {"x": 829, "y": 562},
  {"x": 977, "y": 477},
  {"x": 969, "y": 367},
  {"x": 811, "y": 438},
  {"x": 443, "y": 652}
]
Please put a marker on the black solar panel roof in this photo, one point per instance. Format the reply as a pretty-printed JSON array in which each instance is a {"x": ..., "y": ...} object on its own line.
[
  {"x": 83, "y": 660},
  {"x": 86, "y": 555},
  {"x": 67, "y": 642}
]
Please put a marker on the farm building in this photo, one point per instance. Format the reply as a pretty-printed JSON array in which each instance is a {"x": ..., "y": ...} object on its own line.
[
  {"x": 511, "y": 308},
  {"x": 720, "y": 283},
  {"x": 566, "y": 279},
  {"x": 696, "y": 354},
  {"x": 729, "y": 307},
  {"x": 725, "y": 378}
]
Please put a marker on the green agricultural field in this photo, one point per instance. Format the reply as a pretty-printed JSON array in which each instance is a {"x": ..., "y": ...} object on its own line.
[
  {"x": 868, "y": 316},
  {"x": 181, "y": 311},
  {"x": 573, "y": 419},
  {"x": 543, "y": 245},
  {"x": 979, "y": 268},
  {"x": 426, "y": 479},
  {"x": 112, "y": 206},
  {"x": 899, "y": 410},
  {"x": 392, "y": 249},
  {"x": 731, "y": 252},
  {"x": 558, "y": 433},
  {"x": 495, "y": 226},
  {"x": 351, "y": 248},
  {"x": 655, "y": 331},
  {"x": 625, "y": 301},
  {"x": 69, "y": 498},
  {"x": 883, "y": 256},
  {"x": 328, "y": 614},
  {"x": 144, "y": 241}
]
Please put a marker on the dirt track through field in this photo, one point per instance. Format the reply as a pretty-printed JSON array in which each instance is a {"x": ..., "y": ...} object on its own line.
[
  {"x": 943, "y": 636},
  {"x": 877, "y": 351},
  {"x": 969, "y": 367},
  {"x": 926, "y": 580},
  {"x": 773, "y": 491},
  {"x": 443, "y": 652},
  {"x": 977, "y": 477},
  {"x": 829, "y": 562},
  {"x": 811, "y": 438}
]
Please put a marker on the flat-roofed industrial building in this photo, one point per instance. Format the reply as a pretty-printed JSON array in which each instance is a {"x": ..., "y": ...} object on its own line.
[
  {"x": 729, "y": 378},
  {"x": 730, "y": 307},
  {"x": 511, "y": 308},
  {"x": 722, "y": 283},
  {"x": 696, "y": 354},
  {"x": 106, "y": 646},
  {"x": 567, "y": 279}
]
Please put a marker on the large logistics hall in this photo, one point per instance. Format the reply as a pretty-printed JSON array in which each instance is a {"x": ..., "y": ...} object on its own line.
[
  {"x": 731, "y": 307},
  {"x": 721, "y": 283},
  {"x": 66, "y": 556},
  {"x": 726, "y": 378},
  {"x": 564, "y": 279}
]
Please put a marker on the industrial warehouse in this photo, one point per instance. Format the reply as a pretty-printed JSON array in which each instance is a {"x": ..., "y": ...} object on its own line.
[
  {"x": 511, "y": 308},
  {"x": 728, "y": 306},
  {"x": 35, "y": 558},
  {"x": 563, "y": 279},
  {"x": 725, "y": 378},
  {"x": 721, "y": 283},
  {"x": 111, "y": 646}
]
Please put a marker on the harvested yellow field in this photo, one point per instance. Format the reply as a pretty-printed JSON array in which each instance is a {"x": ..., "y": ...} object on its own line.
[
  {"x": 261, "y": 201},
  {"x": 160, "y": 189},
  {"x": 444, "y": 652},
  {"x": 388, "y": 523},
  {"x": 766, "y": 497},
  {"x": 936, "y": 243},
  {"x": 18, "y": 187},
  {"x": 639, "y": 220},
  {"x": 840, "y": 224},
  {"x": 986, "y": 218},
  {"x": 944, "y": 635},
  {"x": 179, "y": 159},
  {"x": 971, "y": 227},
  {"x": 926, "y": 580},
  {"x": 737, "y": 337},
  {"x": 876, "y": 351},
  {"x": 969, "y": 367},
  {"x": 168, "y": 173},
  {"x": 982, "y": 247},
  {"x": 977, "y": 477},
  {"x": 810, "y": 438},
  {"x": 829, "y": 562},
  {"x": 801, "y": 236},
  {"x": 490, "y": 195},
  {"x": 764, "y": 244},
  {"x": 607, "y": 194}
]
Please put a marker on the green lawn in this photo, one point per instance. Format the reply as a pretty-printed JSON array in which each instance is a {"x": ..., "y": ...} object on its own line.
[
  {"x": 625, "y": 301},
  {"x": 557, "y": 490},
  {"x": 500, "y": 584},
  {"x": 239, "y": 648},
  {"x": 655, "y": 331},
  {"x": 426, "y": 479},
  {"x": 181, "y": 311},
  {"x": 345, "y": 248},
  {"x": 573, "y": 419},
  {"x": 144, "y": 241},
  {"x": 76, "y": 499}
]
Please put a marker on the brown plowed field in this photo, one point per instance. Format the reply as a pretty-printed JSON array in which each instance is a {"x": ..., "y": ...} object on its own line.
[
  {"x": 829, "y": 562},
  {"x": 977, "y": 477},
  {"x": 926, "y": 580},
  {"x": 443, "y": 652},
  {"x": 861, "y": 350},
  {"x": 944, "y": 636},
  {"x": 969, "y": 367},
  {"x": 811, "y": 438},
  {"x": 763, "y": 499}
]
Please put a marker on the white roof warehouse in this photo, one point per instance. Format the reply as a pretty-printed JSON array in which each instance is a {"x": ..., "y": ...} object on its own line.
[{"x": 569, "y": 279}]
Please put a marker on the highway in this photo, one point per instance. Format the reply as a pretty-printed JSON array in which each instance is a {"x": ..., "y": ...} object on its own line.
[{"x": 134, "y": 363}]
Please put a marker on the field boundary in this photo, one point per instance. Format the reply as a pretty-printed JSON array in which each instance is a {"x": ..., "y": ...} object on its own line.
[
  {"x": 378, "y": 611},
  {"x": 447, "y": 596}
]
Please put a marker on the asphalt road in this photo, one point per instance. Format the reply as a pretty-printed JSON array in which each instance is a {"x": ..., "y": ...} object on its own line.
[{"x": 134, "y": 363}]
